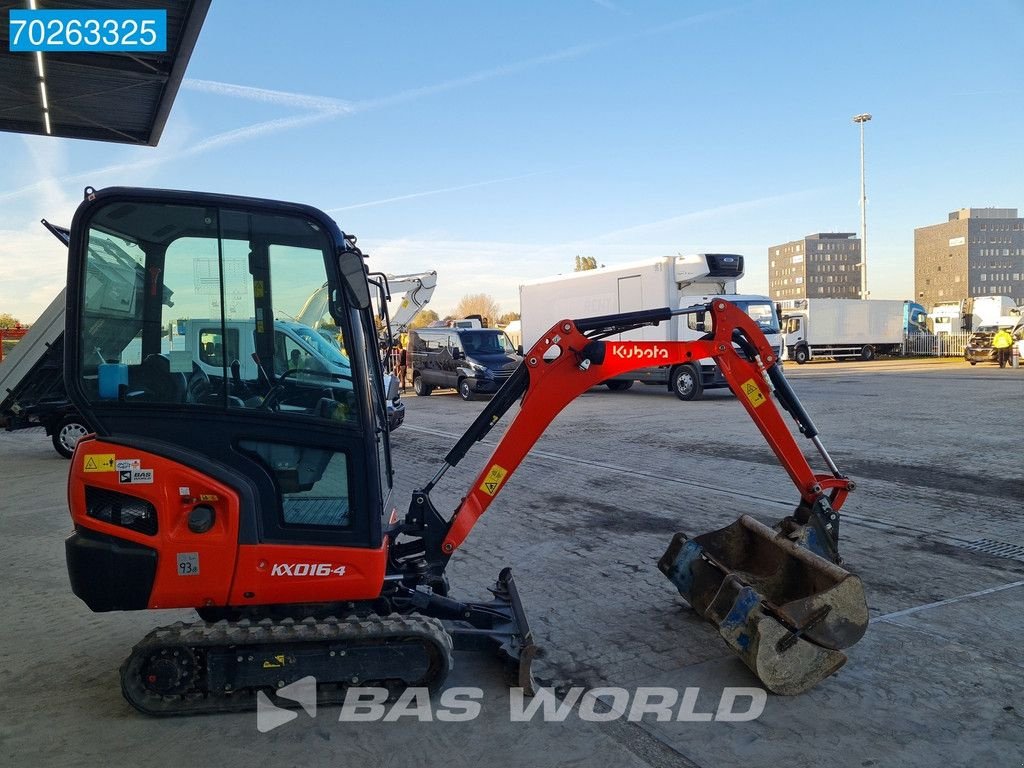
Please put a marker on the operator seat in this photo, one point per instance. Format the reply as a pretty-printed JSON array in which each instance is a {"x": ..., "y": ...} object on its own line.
[
  {"x": 159, "y": 383},
  {"x": 199, "y": 387}
]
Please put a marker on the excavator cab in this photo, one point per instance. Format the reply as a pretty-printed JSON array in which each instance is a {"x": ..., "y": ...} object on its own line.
[{"x": 157, "y": 277}]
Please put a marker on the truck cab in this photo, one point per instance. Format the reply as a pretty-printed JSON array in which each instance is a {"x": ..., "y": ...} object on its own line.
[
  {"x": 297, "y": 348},
  {"x": 300, "y": 352},
  {"x": 692, "y": 327}
]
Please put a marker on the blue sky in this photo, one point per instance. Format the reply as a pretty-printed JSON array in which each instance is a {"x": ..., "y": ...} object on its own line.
[{"x": 495, "y": 141}]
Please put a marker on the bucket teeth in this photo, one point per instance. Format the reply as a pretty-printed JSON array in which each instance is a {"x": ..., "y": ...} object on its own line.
[{"x": 783, "y": 609}]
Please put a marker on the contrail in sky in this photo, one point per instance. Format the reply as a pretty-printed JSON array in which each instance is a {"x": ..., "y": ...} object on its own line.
[
  {"x": 429, "y": 192},
  {"x": 283, "y": 98}
]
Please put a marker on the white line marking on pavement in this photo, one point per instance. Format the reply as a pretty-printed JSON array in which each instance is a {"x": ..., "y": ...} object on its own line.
[
  {"x": 888, "y": 617},
  {"x": 851, "y": 518},
  {"x": 948, "y": 601},
  {"x": 535, "y": 454}
]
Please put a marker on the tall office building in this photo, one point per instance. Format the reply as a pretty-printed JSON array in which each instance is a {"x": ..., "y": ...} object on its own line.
[
  {"x": 978, "y": 252},
  {"x": 822, "y": 265}
]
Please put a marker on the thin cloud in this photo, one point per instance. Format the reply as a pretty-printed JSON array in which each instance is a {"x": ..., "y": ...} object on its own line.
[
  {"x": 429, "y": 192},
  {"x": 692, "y": 216},
  {"x": 246, "y": 133},
  {"x": 478, "y": 77}
]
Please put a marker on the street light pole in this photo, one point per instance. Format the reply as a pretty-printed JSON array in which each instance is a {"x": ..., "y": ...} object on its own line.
[{"x": 863, "y": 118}]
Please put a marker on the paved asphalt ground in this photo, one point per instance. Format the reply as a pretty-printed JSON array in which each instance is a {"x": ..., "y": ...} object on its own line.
[{"x": 934, "y": 445}]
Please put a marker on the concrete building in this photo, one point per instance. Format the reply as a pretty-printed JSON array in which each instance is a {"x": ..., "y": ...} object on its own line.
[
  {"x": 978, "y": 252},
  {"x": 822, "y": 265}
]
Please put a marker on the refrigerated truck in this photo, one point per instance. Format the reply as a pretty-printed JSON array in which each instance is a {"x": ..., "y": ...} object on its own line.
[
  {"x": 844, "y": 329},
  {"x": 669, "y": 281}
]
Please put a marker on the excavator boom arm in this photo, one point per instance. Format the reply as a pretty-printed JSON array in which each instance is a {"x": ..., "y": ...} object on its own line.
[{"x": 566, "y": 362}]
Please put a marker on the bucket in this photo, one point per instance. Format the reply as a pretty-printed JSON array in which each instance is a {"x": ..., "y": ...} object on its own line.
[{"x": 784, "y": 609}]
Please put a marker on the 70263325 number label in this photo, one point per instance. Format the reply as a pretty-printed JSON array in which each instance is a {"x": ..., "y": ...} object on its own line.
[{"x": 140, "y": 31}]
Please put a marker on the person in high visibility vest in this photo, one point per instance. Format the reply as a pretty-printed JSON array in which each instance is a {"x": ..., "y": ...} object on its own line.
[{"x": 1002, "y": 342}]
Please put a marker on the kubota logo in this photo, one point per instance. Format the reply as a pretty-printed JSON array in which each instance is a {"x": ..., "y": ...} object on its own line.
[
  {"x": 307, "y": 569},
  {"x": 636, "y": 352}
]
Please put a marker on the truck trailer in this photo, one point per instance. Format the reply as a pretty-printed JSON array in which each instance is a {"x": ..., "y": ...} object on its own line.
[
  {"x": 843, "y": 329},
  {"x": 669, "y": 281}
]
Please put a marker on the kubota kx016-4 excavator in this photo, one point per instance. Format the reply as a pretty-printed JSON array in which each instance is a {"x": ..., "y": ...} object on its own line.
[{"x": 263, "y": 499}]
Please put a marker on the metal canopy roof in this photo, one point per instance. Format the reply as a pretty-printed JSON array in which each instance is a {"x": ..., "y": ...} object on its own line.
[{"x": 121, "y": 97}]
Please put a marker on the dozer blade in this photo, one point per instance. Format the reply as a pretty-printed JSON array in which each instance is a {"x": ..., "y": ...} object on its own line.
[
  {"x": 784, "y": 609},
  {"x": 499, "y": 625}
]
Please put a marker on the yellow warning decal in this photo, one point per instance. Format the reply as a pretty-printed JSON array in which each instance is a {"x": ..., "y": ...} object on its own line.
[
  {"x": 257, "y": 288},
  {"x": 493, "y": 480},
  {"x": 277, "y": 662},
  {"x": 753, "y": 393},
  {"x": 98, "y": 462}
]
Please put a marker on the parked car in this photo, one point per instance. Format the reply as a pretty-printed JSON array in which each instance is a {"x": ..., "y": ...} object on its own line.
[
  {"x": 980, "y": 350},
  {"x": 471, "y": 360}
]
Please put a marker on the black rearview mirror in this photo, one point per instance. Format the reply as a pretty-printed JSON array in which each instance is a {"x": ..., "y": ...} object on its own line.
[{"x": 350, "y": 263}]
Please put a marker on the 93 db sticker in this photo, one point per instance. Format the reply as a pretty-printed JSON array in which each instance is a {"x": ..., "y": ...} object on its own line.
[
  {"x": 493, "y": 480},
  {"x": 188, "y": 563},
  {"x": 753, "y": 393}
]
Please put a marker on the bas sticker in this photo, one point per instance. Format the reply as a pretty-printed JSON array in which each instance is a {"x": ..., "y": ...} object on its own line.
[
  {"x": 493, "y": 480},
  {"x": 98, "y": 462},
  {"x": 135, "y": 476},
  {"x": 753, "y": 393}
]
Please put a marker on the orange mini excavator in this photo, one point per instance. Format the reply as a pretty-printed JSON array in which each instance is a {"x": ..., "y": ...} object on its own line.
[{"x": 236, "y": 472}]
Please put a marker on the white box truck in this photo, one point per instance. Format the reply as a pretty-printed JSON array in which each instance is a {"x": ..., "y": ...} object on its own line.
[
  {"x": 849, "y": 328},
  {"x": 669, "y": 281}
]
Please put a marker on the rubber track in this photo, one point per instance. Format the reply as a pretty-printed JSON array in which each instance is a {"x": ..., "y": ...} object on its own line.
[{"x": 201, "y": 637}]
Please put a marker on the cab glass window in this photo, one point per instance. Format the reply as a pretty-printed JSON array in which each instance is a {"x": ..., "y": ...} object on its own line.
[{"x": 198, "y": 307}]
